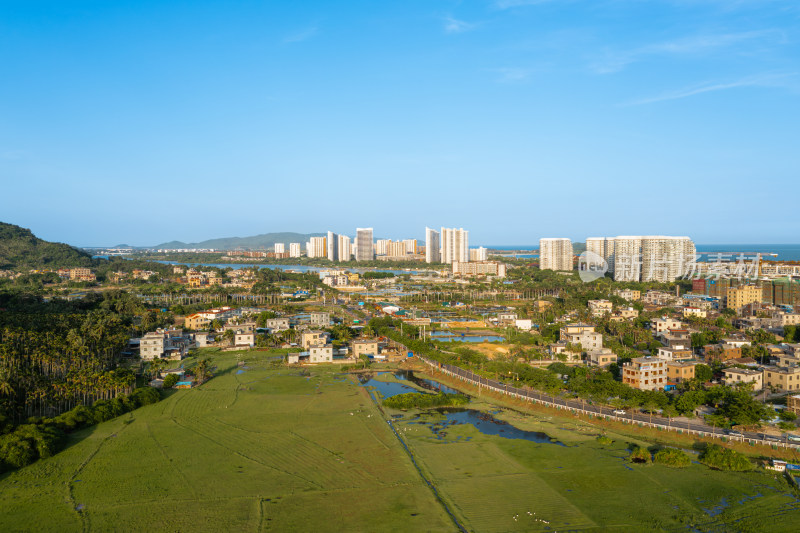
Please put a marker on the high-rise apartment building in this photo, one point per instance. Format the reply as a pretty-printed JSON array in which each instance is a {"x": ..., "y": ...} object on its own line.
[
  {"x": 332, "y": 246},
  {"x": 396, "y": 249},
  {"x": 455, "y": 245},
  {"x": 432, "y": 252},
  {"x": 294, "y": 249},
  {"x": 603, "y": 247},
  {"x": 628, "y": 258},
  {"x": 280, "y": 248},
  {"x": 317, "y": 247},
  {"x": 651, "y": 257},
  {"x": 411, "y": 246},
  {"x": 664, "y": 258},
  {"x": 382, "y": 246},
  {"x": 344, "y": 248},
  {"x": 555, "y": 254},
  {"x": 478, "y": 254},
  {"x": 364, "y": 244}
]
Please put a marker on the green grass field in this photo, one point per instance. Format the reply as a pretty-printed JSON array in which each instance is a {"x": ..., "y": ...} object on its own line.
[
  {"x": 268, "y": 449},
  {"x": 498, "y": 484},
  {"x": 265, "y": 449}
]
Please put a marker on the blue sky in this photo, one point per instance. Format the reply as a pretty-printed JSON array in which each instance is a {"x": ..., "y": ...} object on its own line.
[{"x": 142, "y": 122}]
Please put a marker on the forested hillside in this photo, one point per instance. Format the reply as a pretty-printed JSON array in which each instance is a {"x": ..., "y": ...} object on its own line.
[{"x": 19, "y": 248}]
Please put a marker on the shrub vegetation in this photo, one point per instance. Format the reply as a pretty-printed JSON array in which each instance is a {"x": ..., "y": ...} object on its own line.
[
  {"x": 672, "y": 457},
  {"x": 418, "y": 400},
  {"x": 719, "y": 458}
]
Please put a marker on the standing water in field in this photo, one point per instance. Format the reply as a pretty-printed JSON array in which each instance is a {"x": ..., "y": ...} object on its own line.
[
  {"x": 428, "y": 384},
  {"x": 486, "y": 424},
  {"x": 386, "y": 388}
]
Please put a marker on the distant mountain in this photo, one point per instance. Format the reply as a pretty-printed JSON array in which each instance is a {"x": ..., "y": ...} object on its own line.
[
  {"x": 21, "y": 248},
  {"x": 266, "y": 240}
]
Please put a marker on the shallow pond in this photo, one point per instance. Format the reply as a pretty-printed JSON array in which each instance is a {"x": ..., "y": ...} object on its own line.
[
  {"x": 386, "y": 388},
  {"x": 485, "y": 423},
  {"x": 445, "y": 336},
  {"x": 429, "y": 384}
]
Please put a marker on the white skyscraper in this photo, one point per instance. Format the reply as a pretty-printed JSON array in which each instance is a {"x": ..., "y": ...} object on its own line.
[
  {"x": 604, "y": 247},
  {"x": 628, "y": 258},
  {"x": 280, "y": 248},
  {"x": 455, "y": 245},
  {"x": 555, "y": 254},
  {"x": 382, "y": 246},
  {"x": 652, "y": 257},
  {"x": 664, "y": 258},
  {"x": 478, "y": 254},
  {"x": 294, "y": 249},
  {"x": 332, "y": 245},
  {"x": 364, "y": 244},
  {"x": 344, "y": 248},
  {"x": 317, "y": 247},
  {"x": 432, "y": 244}
]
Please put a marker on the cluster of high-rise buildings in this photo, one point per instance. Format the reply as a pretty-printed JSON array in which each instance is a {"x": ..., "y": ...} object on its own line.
[
  {"x": 628, "y": 258},
  {"x": 449, "y": 245}
]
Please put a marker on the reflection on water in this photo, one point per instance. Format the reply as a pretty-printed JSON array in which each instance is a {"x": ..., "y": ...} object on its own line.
[
  {"x": 386, "y": 388},
  {"x": 446, "y": 336},
  {"x": 427, "y": 384},
  {"x": 485, "y": 423}
]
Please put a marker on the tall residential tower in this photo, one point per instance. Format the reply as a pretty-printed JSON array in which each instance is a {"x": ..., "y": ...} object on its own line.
[{"x": 555, "y": 254}]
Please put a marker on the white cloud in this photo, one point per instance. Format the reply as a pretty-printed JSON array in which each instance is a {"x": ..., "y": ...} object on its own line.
[
  {"x": 615, "y": 61},
  {"x": 453, "y": 25},
  {"x": 761, "y": 80},
  {"x": 302, "y": 35}
]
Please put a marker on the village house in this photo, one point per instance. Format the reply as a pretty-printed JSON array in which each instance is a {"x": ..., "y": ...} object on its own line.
[
  {"x": 601, "y": 357},
  {"x": 721, "y": 352},
  {"x": 628, "y": 294},
  {"x": 734, "y": 376},
  {"x": 244, "y": 338},
  {"x": 793, "y": 404},
  {"x": 782, "y": 378},
  {"x": 645, "y": 373},
  {"x": 364, "y": 347},
  {"x": 321, "y": 353},
  {"x": 164, "y": 344},
  {"x": 600, "y": 307},
  {"x": 313, "y": 338},
  {"x": 277, "y": 324},
  {"x": 320, "y": 319},
  {"x": 663, "y": 324},
  {"x": 674, "y": 354},
  {"x": 626, "y": 313},
  {"x": 582, "y": 334},
  {"x": 680, "y": 371},
  {"x": 694, "y": 311}
]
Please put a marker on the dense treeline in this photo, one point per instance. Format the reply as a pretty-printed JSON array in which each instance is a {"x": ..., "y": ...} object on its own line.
[
  {"x": 417, "y": 400},
  {"x": 57, "y": 355},
  {"x": 44, "y": 437}
]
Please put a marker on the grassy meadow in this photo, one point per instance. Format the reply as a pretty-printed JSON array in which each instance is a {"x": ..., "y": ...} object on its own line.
[
  {"x": 265, "y": 448},
  {"x": 498, "y": 484},
  {"x": 256, "y": 449}
]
